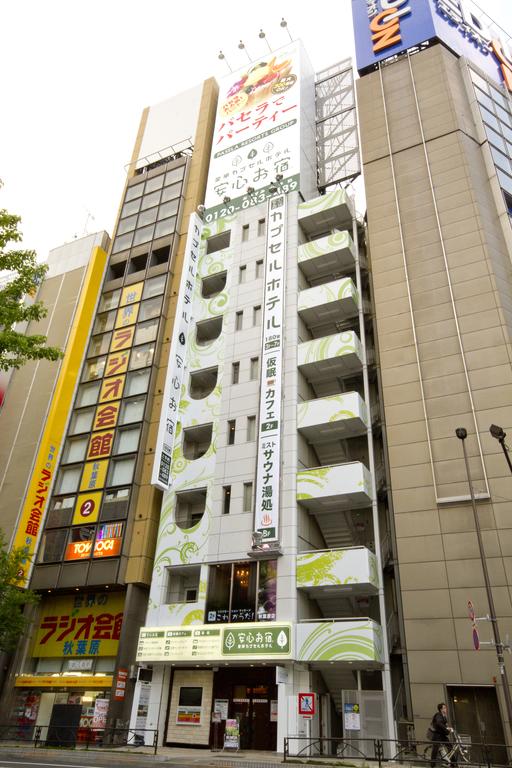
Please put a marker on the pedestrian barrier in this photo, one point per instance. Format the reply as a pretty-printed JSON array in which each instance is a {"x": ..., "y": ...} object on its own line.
[{"x": 72, "y": 737}]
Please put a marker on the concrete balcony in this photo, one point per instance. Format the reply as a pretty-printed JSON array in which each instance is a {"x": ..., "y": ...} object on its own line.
[
  {"x": 324, "y": 307},
  {"x": 336, "y": 572},
  {"x": 330, "y": 357},
  {"x": 353, "y": 640},
  {"x": 326, "y": 212},
  {"x": 327, "y": 256},
  {"x": 332, "y": 418},
  {"x": 328, "y": 489}
]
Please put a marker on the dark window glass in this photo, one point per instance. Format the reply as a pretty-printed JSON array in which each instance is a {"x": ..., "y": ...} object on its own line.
[
  {"x": 52, "y": 546},
  {"x": 244, "y": 592},
  {"x": 190, "y": 697},
  {"x": 217, "y": 604}
]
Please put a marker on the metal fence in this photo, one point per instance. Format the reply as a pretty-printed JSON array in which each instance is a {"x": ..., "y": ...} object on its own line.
[
  {"x": 72, "y": 737},
  {"x": 460, "y": 751}
]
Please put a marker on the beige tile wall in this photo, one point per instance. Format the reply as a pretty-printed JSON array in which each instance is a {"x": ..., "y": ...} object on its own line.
[
  {"x": 437, "y": 546},
  {"x": 191, "y": 734}
]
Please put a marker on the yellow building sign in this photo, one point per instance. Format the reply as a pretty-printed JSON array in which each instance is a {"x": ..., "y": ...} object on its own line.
[
  {"x": 127, "y": 315},
  {"x": 87, "y": 508},
  {"x": 88, "y": 682},
  {"x": 74, "y": 626},
  {"x": 131, "y": 294},
  {"x": 112, "y": 389},
  {"x": 94, "y": 476}
]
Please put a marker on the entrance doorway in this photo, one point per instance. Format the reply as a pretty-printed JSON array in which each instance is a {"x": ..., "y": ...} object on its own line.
[
  {"x": 475, "y": 711},
  {"x": 251, "y": 694}
]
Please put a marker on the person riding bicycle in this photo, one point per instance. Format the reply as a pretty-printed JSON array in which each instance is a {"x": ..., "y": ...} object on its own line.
[{"x": 441, "y": 732}]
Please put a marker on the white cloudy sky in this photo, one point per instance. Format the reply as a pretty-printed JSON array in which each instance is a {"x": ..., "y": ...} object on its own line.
[{"x": 76, "y": 76}]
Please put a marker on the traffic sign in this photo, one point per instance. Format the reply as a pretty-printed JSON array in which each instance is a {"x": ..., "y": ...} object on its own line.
[
  {"x": 476, "y": 638},
  {"x": 307, "y": 704},
  {"x": 471, "y": 611}
]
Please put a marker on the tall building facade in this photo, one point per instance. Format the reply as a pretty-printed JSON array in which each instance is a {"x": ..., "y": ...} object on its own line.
[
  {"x": 436, "y": 130},
  {"x": 216, "y": 538}
]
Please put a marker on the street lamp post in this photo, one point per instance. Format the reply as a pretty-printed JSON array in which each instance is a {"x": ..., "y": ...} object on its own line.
[
  {"x": 462, "y": 434},
  {"x": 500, "y": 436}
]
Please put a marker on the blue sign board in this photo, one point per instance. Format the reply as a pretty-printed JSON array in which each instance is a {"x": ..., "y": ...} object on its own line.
[{"x": 384, "y": 28}]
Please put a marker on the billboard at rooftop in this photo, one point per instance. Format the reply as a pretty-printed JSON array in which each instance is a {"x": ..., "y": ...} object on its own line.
[{"x": 385, "y": 28}]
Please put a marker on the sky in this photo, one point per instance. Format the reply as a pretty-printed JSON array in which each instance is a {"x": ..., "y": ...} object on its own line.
[{"x": 78, "y": 74}]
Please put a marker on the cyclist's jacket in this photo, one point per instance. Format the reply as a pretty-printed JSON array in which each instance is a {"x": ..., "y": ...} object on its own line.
[{"x": 440, "y": 727}]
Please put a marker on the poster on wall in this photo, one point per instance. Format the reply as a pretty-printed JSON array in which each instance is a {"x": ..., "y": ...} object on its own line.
[
  {"x": 269, "y": 429},
  {"x": 161, "y": 476},
  {"x": 257, "y": 134},
  {"x": 142, "y": 708},
  {"x": 99, "y": 718},
  {"x": 221, "y": 706},
  {"x": 232, "y": 735},
  {"x": 188, "y": 716},
  {"x": 351, "y": 717}
]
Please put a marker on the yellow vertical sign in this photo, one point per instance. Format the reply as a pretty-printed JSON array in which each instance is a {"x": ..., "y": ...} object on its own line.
[{"x": 32, "y": 515}]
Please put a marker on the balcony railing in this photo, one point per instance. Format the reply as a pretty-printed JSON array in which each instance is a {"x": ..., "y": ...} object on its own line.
[
  {"x": 331, "y": 211},
  {"x": 335, "y": 356},
  {"x": 332, "y": 418},
  {"x": 324, "y": 307},
  {"x": 342, "y": 486},
  {"x": 327, "y": 257},
  {"x": 337, "y": 571}
]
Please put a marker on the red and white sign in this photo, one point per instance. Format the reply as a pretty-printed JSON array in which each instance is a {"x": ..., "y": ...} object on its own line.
[
  {"x": 121, "y": 678},
  {"x": 306, "y": 704}
]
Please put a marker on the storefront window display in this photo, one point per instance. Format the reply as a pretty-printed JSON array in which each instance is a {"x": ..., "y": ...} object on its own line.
[{"x": 239, "y": 592}]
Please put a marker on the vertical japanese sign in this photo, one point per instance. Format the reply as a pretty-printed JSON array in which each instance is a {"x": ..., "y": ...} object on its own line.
[
  {"x": 269, "y": 436},
  {"x": 161, "y": 476},
  {"x": 256, "y": 144}
]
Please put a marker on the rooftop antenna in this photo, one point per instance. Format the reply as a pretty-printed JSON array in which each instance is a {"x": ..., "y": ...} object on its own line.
[
  {"x": 284, "y": 24},
  {"x": 263, "y": 36},
  {"x": 242, "y": 47},
  {"x": 221, "y": 56}
]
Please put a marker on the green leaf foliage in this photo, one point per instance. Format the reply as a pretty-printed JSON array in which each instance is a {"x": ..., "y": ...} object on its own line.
[
  {"x": 17, "y": 348},
  {"x": 13, "y": 623}
]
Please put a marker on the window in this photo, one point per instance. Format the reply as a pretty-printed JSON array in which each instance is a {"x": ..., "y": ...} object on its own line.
[
  {"x": 242, "y": 591},
  {"x": 52, "y": 546},
  {"x": 256, "y": 315},
  {"x": 218, "y": 242},
  {"x": 146, "y": 217},
  {"x": 67, "y": 480},
  {"x": 183, "y": 584},
  {"x": 109, "y": 300},
  {"x": 255, "y": 368},
  {"x": 226, "y": 499},
  {"x": 105, "y": 321},
  {"x": 259, "y": 268},
  {"x": 239, "y": 320},
  {"x": 154, "y": 287},
  {"x": 213, "y": 284},
  {"x": 251, "y": 428},
  {"x": 127, "y": 440},
  {"x": 261, "y": 227},
  {"x": 242, "y": 273},
  {"x": 170, "y": 193},
  {"x": 132, "y": 410},
  {"x": 143, "y": 235},
  {"x": 134, "y": 191},
  {"x": 122, "y": 244},
  {"x": 81, "y": 421},
  {"x": 126, "y": 225},
  {"x": 131, "y": 208},
  {"x": 150, "y": 200},
  {"x": 156, "y": 182},
  {"x": 137, "y": 383},
  {"x": 165, "y": 227},
  {"x": 168, "y": 209},
  {"x": 247, "y": 497},
  {"x": 245, "y": 233},
  {"x": 190, "y": 507},
  {"x": 202, "y": 383},
  {"x": 196, "y": 441},
  {"x": 87, "y": 394},
  {"x": 94, "y": 369},
  {"x": 142, "y": 356},
  {"x": 174, "y": 175},
  {"x": 121, "y": 471},
  {"x": 60, "y": 512},
  {"x": 80, "y": 543},
  {"x": 146, "y": 332},
  {"x": 235, "y": 373},
  {"x": 115, "y": 504},
  {"x": 99, "y": 345},
  {"x": 231, "y": 431},
  {"x": 75, "y": 450},
  {"x": 208, "y": 330}
]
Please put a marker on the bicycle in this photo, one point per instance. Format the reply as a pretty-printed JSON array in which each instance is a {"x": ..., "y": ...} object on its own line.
[{"x": 450, "y": 752}]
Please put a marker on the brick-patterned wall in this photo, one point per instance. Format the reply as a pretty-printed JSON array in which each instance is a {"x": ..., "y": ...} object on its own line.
[{"x": 191, "y": 734}]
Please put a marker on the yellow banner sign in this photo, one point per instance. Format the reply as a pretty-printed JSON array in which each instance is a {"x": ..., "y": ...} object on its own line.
[
  {"x": 112, "y": 389},
  {"x": 74, "y": 626},
  {"x": 100, "y": 444},
  {"x": 106, "y": 416},
  {"x": 87, "y": 508},
  {"x": 122, "y": 338},
  {"x": 94, "y": 476},
  {"x": 131, "y": 294},
  {"x": 127, "y": 315},
  {"x": 104, "y": 682},
  {"x": 117, "y": 363}
]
